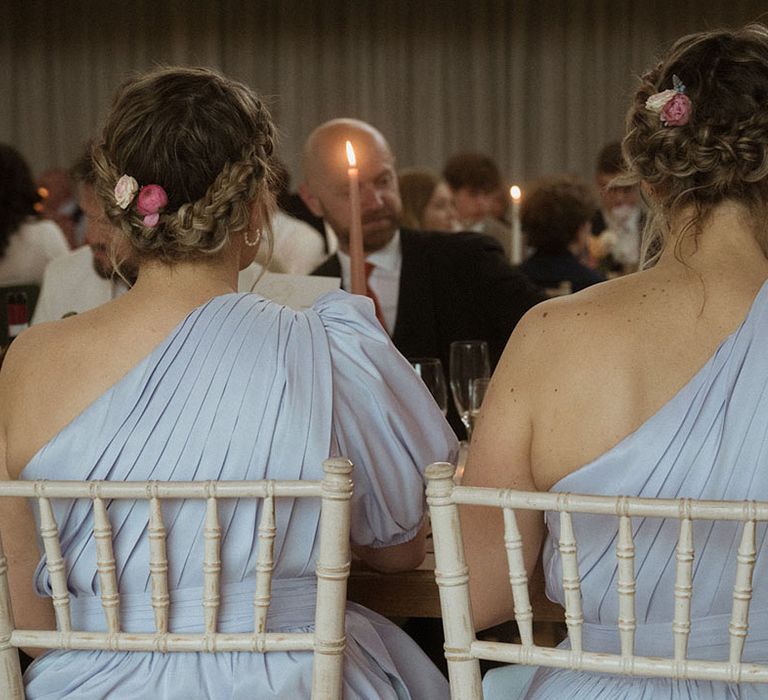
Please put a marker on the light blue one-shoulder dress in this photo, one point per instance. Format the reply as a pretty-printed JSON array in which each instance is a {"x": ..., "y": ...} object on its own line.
[
  {"x": 709, "y": 441},
  {"x": 245, "y": 388}
]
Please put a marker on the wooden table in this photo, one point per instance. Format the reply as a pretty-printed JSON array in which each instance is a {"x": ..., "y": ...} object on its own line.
[{"x": 414, "y": 593}]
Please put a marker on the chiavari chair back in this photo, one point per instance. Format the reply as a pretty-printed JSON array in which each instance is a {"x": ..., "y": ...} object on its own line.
[
  {"x": 327, "y": 641},
  {"x": 463, "y": 650}
]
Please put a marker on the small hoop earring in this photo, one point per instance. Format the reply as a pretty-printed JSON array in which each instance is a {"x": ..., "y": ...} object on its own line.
[{"x": 252, "y": 243}]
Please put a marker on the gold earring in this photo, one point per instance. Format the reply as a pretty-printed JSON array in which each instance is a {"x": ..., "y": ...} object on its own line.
[{"x": 252, "y": 243}]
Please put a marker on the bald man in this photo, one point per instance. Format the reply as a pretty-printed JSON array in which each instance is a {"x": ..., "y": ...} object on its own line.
[{"x": 429, "y": 289}]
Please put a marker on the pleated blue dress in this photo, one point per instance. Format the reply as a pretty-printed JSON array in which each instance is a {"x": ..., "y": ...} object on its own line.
[
  {"x": 245, "y": 388},
  {"x": 710, "y": 441}
]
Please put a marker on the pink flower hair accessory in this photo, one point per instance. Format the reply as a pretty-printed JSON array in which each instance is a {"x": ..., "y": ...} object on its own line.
[
  {"x": 152, "y": 200},
  {"x": 673, "y": 106}
]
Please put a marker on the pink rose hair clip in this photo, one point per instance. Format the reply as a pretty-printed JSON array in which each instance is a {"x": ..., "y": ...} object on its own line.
[
  {"x": 151, "y": 201},
  {"x": 673, "y": 106}
]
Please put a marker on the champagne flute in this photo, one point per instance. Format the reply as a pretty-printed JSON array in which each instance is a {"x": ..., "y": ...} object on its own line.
[
  {"x": 477, "y": 390},
  {"x": 468, "y": 361},
  {"x": 430, "y": 369}
]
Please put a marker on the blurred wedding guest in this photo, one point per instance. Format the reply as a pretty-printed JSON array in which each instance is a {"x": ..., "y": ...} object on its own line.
[
  {"x": 291, "y": 203},
  {"x": 427, "y": 201},
  {"x": 474, "y": 179},
  {"x": 556, "y": 218},
  {"x": 428, "y": 289},
  {"x": 86, "y": 277},
  {"x": 500, "y": 203},
  {"x": 27, "y": 243},
  {"x": 652, "y": 385},
  {"x": 618, "y": 224},
  {"x": 59, "y": 204},
  {"x": 184, "y": 378},
  {"x": 297, "y": 247}
]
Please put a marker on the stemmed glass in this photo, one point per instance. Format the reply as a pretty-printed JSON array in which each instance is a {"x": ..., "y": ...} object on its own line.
[
  {"x": 430, "y": 369},
  {"x": 477, "y": 390},
  {"x": 468, "y": 361}
]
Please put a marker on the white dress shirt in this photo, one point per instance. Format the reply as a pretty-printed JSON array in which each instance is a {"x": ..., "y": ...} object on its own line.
[
  {"x": 385, "y": 277},
  {"x": 72, "y": 285},
  {"x": 625, "y": 222},
  {"x": 331, "y": 239}
]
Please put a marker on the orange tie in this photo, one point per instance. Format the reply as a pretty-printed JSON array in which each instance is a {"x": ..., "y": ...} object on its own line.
[{"x": 372, "y": 295}]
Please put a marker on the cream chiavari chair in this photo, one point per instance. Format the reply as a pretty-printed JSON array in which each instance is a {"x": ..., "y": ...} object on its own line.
[
  {"x": 463, "y": 650},
  {"x": 327, "y": 642}
]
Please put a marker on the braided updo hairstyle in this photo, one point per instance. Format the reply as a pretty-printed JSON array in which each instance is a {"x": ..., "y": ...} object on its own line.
[
  {"x": 207, "y": 141},
  {"x": 722, "y": 152}
]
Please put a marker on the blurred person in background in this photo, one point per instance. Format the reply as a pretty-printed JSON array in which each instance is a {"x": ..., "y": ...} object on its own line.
[
  {"x": 618, "y": 224},
  {"x": 27, "y": 243},
  {"x": 429, "y": 289},
  {"x": 58, "y": 202},
  {"x": 86, "y": 277},
  {"x": 500, "y": 204},
  {"x": 427, "y": 201},
  {"x": 556, "y": 218},
  {"x": 474, "y": 179},
  {"x": 297, "y": 247}
]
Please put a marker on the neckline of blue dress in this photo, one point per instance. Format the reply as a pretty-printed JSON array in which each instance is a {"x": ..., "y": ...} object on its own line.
[
  {"x": 683, "y": 394},
  {"x": 160, "y": 348}
]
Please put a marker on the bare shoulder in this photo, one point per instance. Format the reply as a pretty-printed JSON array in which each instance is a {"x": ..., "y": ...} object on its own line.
[
  {"x": 45, "y": 381},
  {"x": 43, "y": 341},
  {"x": 18, "y": 380},
  {"x": 567, "y": 326},
  {"x": 26, "y": 352},
  {"x": 33, "y": 361}
]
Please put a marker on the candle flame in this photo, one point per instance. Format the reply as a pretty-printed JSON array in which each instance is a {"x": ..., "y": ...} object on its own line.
[
  {"x": 515, "y": 192},
  {"x": 351, "y": 156}
]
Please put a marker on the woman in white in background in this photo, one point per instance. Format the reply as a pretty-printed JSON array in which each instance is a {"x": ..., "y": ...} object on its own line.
[{"x": 27, "y": 243}]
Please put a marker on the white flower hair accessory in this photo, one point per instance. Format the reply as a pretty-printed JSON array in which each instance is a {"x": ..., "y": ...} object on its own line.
[{"x": 125, "y": 190}]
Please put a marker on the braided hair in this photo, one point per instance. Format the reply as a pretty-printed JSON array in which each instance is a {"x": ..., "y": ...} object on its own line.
[
  {"x": 208, "y": 141},
  {"x": 722, "y": 152}
]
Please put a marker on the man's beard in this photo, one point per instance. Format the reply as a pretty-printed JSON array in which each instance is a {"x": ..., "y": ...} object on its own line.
[{"x": 375, "y": 239}]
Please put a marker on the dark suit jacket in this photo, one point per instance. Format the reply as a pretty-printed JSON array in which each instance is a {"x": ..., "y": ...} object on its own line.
[
  {"x": 453, "y": 287},
  {"x": 550, "y": 269}
]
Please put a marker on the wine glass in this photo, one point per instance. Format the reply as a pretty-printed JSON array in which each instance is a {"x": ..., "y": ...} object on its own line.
[
  {"x": 477, "y": 389},
  {"x": 430, "y": 369},
  {"x": 468, "y": 361}
]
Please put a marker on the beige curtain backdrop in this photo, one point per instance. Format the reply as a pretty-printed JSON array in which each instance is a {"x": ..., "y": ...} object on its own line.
[{"x": 538, "y": 84}]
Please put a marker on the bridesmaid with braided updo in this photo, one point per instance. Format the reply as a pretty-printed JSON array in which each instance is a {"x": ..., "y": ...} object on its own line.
[
  {"x": 651, "y": 385},
  {"x": 183, "y": 378}
]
